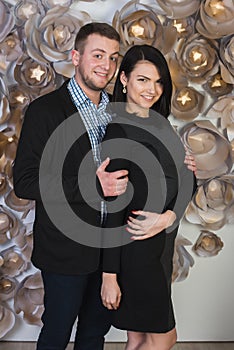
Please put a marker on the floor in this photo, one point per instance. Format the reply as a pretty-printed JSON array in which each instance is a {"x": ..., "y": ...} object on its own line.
[{"x": 120, "y": 346}]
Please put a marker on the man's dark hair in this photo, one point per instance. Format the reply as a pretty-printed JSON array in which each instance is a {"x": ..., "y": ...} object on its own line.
[{"x": 102, "y": 29}]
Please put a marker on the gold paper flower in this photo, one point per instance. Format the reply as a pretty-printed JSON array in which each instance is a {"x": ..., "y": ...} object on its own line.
[
  {"x": 217, "y": 87},
  {"x": 198, "y": 58},
  {"x": 19, "y": 97},
  {"x": 13, "y": 262},
  {"x": 179, "y": 8},
  {"x": 39, "y": 78},
  {"x": 187, "y": 103},
  {"x": 4, "y": 109},
  {"x": 226, "y": 52},
  {"x": 9, "y": 225},
  {"x": 208, "y": 244},
  {"x": 139, "y": 24},
  {"x": 7, "y": 320},
  {"x": 51, "y": 37},
  {"x": 6, "y": 20},
  {"x": 7, "y": 287},
  {"x": 8, "y": 146},
  {"x": 29, "y": 299},
  {"x": 211, "y": 203},
  {"x": 182, "y": 260},
  {"x": 211, "y": 150},
  {"x": 184, "y": 26},
  {"x": 216, "y": 18}
]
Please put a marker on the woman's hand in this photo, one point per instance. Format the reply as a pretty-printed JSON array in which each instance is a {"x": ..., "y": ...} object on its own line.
[
  {"x": 190, "y": 161},
  {"x": 110, "y": 291},
  {"x": 151, "y": 225}
]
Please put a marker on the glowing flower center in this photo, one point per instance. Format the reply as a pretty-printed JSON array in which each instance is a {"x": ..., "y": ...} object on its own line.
[
  {"x": 137, "y": 30},
  {"x": 37, "y": 73},
  {"x": 11, "y": 43},
  {"x": 179, "y": 26},
  {"x": 216, "y": 7},
  {"x": 196, "y": 55},
  {"x": 184, "y": 98},
  {"x": 20, "y": 98}
]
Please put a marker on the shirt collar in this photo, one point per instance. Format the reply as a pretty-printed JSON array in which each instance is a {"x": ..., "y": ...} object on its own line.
[{"x": 83, "y": 97}]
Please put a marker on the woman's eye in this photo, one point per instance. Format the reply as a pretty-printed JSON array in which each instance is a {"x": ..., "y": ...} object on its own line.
[{"x": 142, "y": 79}]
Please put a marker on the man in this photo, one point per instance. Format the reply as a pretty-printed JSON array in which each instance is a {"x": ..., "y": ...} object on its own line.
[{"x": 71, "y": 271}]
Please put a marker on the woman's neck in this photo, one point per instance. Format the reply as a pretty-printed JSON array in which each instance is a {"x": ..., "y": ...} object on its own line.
[{"x": 136, "y": 109}]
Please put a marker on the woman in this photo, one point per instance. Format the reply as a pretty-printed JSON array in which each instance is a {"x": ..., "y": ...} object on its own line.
[{"x": 140, "y": 291}]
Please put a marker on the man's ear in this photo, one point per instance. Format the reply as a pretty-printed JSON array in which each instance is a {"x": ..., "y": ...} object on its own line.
[
  {"x": 123, "y": 78},
  {"x": 75, "y": 57}
]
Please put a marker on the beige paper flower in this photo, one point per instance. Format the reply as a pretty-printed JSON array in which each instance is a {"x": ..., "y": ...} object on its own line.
[
  {"x": 7, "y": 320},
  {"x": 18, "y": 204},
  {"x": 29, "y": 299},
  {"x": 51, "y": 37},
  {"x": 53, "y": 3},
  {"x": 9, "y": 225},
  {"x": 6, "y": 20},
  {"x": 179, "y": 8},
  {"x": 211, "y": 150},
  {"x": 182, "y": 260},
  {"x": 10, "y": 47},
  {"x": 37, "y": 77},
  {"x": 7, "y": 287},
  {"x": 187, "y": 103},
  {"x": 208, "y": 244},
  {"x": 216, "y": 18},
  {"x": 24, "y": 9},
  {"x": 217, "y": 87},
  {"x": 198, "y": 58},
  {"x": 223, "y": 109},
  {"x": 24, "y": 240},
  {"x": 210, "y": 206},
  {"x": 226, "y": 52},
  {"x": 139, "y": 24},
  {"x": 14, "y": 263}
]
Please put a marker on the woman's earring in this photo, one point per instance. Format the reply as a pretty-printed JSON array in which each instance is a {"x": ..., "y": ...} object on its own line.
[{"x": 124, "y": 89}]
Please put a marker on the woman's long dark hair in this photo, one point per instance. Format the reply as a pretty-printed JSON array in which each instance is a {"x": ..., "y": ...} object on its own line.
[{"x": 148, "y": 53}]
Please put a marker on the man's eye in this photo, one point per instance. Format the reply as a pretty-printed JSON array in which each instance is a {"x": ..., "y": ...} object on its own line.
[
  {"x": 114, "y": 59},
  {"x": 98, "y": 56}
]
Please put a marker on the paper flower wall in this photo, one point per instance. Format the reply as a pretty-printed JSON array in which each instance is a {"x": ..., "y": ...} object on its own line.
[{"x": 36, "y": 37}]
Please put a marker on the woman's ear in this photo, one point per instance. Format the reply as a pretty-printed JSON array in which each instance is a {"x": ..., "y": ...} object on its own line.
[
  {"x": 123, "y": 78},
  {"x": 75, "y": 57}
]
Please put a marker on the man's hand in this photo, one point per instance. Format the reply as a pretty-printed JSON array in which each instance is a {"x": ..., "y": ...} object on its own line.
[
  {"x": 110, "y": 291},
  {"x": 113, "y": 183},
  {"x": 152, "y": 224}
]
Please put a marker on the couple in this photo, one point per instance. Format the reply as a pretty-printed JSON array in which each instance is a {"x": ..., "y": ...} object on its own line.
[{"x": 81, "y": 280}]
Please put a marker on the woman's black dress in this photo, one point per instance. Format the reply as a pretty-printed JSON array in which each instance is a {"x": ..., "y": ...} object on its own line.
[{"x": 146, "y": 266}]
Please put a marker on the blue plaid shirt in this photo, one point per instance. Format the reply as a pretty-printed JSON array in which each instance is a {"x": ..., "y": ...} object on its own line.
[{"x": 95, "y": 120}]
